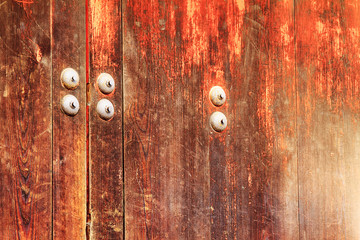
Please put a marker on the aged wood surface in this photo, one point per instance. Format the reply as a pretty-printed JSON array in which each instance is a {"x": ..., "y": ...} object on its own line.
[
  {"x": 25, "y": 120},
  {"x": 105, "y": 146},
  {"x": 167, "y": 182},
  {"x": 69, "y": 133},
  {"x": 327, "y": 73},
  {"x": 287, "y": 166},
  {"x": 253, "y": 166},
  {"x": 182, "y": 180}
]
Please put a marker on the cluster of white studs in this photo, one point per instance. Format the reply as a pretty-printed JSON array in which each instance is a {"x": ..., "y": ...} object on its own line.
[
  {"x": 70, "y": 80},
  {"x": 106, "y": 85},
  {"x": 69, "y": 103},
  {"x": 218, "y": 120}
]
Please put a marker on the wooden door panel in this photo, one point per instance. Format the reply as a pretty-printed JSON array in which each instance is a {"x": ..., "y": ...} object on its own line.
[
  {"x": 25, "y": 121},
  {"x": 69, "y": 132},
  {"x": 105, "y": 137},
  {"x": 183, "y": 180},
  {"x": 327, "y": 73}
]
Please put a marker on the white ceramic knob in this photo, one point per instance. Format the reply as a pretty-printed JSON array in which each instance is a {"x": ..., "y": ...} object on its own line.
[
  {"x": 106, "y": 83},
  {"x": 217, "y": 96},
  {"x": 70, "y": 105},
  {"x": 218, "y": 121},
  {"x": 105, "y": 109},
  {"x": 70, "y": 78}
]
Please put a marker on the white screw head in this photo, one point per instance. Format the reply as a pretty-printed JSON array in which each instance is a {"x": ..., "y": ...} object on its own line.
[
  {"x": 105, "y": 109},
  {"x": 70, "y": 78},
  {"x": 106, "y": 83},
  {"x": 218, "y": 121},
  {"x": 70, "y": 105},
  {"x": 217, "y": 96}
]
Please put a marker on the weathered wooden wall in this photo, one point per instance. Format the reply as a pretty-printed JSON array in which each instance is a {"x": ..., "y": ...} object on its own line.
[
  {"x": 43, "y": 174},
  {"x": 287, "y": 166},
  {"x": 183, "y": 180}
]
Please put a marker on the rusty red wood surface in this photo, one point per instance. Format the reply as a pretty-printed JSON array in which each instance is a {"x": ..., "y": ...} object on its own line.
[
  {"x": 69, "y": 133},
  {"x": 25, "y": 121},
  {"x": 286, "y": 167},
  {"x": 105, "y": 137},
  {"x": 183, "y": 180},
  {"x": 327, "y": 73},
  {"x": 166, "y": 147},
  {"x": 253, "y": 166}
]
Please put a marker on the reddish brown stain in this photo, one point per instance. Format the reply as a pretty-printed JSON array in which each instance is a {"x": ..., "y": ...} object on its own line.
[
  {"x": 332, "y": 70},
  {"x": 25, "y": 188},
  {"x": 197, "y": 26},
  {"x": 291, "y": 76},
  {"x": 105, "y": 212},
  {"x": 68, "y": 34},
  {"x": 201, "y": 30},
  {"x": 184, "y": 48},
  {"x": 327, "y": 72}
]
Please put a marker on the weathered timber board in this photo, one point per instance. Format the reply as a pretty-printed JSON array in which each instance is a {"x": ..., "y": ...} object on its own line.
[
  {"x": 105, "y": 137},
  {"x": 69, "y": 133},
  {"x": 327, "y": 74},
  {"x": 25, "y": 120},
  {"x": 253, "y": 168}
]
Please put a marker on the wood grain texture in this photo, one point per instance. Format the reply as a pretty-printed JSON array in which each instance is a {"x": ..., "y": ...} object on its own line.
[
  {"x": 69, "y": 133},
  {"x": 25, "y": 117},
  {"x": 253, "y": 166},
  {"x": 182, "y": 180},
  {"x": 105, "y": 146},
  {"x": 166, "y": 143},
  {"x": 327, "y": 72}
]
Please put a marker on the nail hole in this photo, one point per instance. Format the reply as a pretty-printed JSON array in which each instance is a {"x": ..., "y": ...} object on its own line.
[
  {"x": 108, "y": 83},
  {"x": 107, "y": 110}
]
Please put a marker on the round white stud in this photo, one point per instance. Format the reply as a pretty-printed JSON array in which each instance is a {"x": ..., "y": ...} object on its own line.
[
  {"x": 105, "y": 109},
  {"x": 70, "y": 78},
  {"x": 217, "y": 96},
  {"x": 70, "y": 105},
  {"x": 218, "y": 121},
  {"x": 106, "y": 83}
]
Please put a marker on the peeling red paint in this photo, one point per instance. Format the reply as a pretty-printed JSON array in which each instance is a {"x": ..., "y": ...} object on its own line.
[
  {"x": 178, "y": 39},
  {"x": 331, "y": 64},
  {"x": 198, "y": 26}
]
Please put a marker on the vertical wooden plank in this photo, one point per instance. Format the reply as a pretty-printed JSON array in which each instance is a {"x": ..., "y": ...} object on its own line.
[
  {"x": 182, "y": 180},
  {"x": 25, "y": 117},
  {"x": 105, "y": 146},
  {"x": 69, "y": 133},
  {"x": 327, "y": 73},
  {"x": 165, "y": 121},
  {"x": 253, "y": 166}
]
